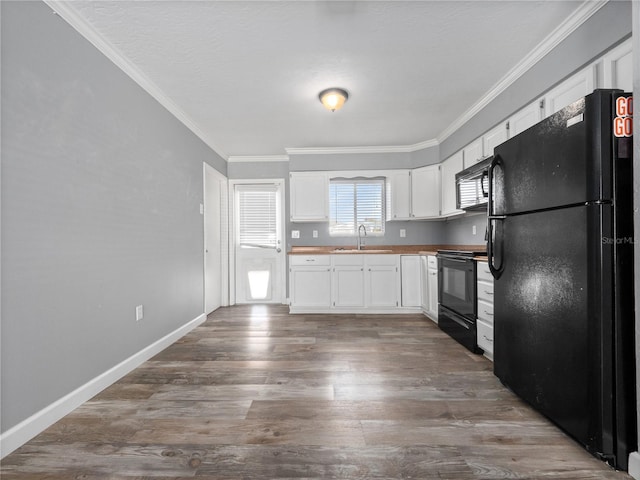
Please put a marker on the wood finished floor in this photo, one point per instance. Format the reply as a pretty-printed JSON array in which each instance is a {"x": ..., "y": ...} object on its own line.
[{"x": 256, "y": 393}]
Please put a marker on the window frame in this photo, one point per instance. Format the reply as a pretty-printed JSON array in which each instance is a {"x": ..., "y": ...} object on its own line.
[{"x": 381, "y": 221}]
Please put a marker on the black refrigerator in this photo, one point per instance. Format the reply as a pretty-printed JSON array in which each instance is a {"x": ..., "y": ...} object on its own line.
[{"x": 560, "y": 246}]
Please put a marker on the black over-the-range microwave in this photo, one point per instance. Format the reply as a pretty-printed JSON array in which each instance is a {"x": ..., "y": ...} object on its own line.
[{"x": 472, "y": 186}]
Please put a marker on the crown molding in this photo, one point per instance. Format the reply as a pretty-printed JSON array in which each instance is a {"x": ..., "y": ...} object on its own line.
[
  {"x": 66, "y": 11},
  {"x": 357, "y": 150},
  {"x": 257, "y": 158},
  {"x": 587, "y": 9}
]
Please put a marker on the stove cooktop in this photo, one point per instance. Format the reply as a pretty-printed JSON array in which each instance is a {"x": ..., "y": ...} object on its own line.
[{"x": 463, "y": 253}]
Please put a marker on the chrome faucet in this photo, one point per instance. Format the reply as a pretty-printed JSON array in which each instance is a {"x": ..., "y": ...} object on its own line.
[{"x": 360, "y": 240}]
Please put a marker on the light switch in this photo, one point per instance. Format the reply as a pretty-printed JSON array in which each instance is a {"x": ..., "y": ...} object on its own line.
[
  {"x": 403, "y": 233},
  {"x": 474, "y": 229},
  {"x": 315, "y": 234}
]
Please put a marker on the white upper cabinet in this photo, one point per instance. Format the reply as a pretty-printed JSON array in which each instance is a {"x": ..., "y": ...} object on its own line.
[
  {"x": 618, "y": 67},
  {"x": 572, "y": 89},
  {"x": 494, "y": 137},
  {"x": 448, "y": 170},
  {"x": 473, "y": 153},
  {"x": 309, "y": 196},
  {"x": 425, "y": 192},
  {"x": 399, "y": 195},
  {"x": 526, "y": 117}
]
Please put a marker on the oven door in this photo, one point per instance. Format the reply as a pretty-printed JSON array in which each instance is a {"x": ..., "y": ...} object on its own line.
[
  {"x": 457, "y": 285},
  {"x": 459, "y": 328}
]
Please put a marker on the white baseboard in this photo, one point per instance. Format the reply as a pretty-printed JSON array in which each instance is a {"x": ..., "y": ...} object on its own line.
[
  {"x": 634, "y": 465},
  {"x": 38, "y": 422}
]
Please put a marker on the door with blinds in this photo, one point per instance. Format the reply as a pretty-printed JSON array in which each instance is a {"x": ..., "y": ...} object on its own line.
[{"x": 258, "y": 242}]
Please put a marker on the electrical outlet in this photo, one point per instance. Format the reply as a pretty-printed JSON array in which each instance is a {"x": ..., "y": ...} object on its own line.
[
  {"x": 315, "y": 234},
  {"x": 474, "y": 230},
  {"x": 295, "y": 233},
  {"x": 139, "y": 313},
  {"x": 403, "y": 233}
]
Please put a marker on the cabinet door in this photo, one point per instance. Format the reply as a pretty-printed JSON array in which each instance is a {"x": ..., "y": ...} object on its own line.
[
  {"x": 618, "y": 67},
  {"x": 425, "y": 192},
  {"x": 525, "y": 118},
  {"x": 310, "y": 286},
  {"x": 309, "y": 196},
  {"x": 572, "y": 89},
  {"x": 493, "y": 138},
  {"x": 399, "y": 195},
  {"x": 410, "y": 280},
  {"x": 382, "y": 281},
  {"x": 448, "y": 170},
  {"x": 348, "y": 286},
  {"x": 424, "y": 284},
  {"x": 472, "y": 153}
]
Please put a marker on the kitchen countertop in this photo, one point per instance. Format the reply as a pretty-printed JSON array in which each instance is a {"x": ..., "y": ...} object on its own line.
[{"x": 381, "y": 249}]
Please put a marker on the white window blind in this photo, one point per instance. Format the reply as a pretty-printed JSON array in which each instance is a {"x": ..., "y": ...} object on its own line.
[
  {"x": 257, "y": 227},
  {"x": 355, "y": 202}
]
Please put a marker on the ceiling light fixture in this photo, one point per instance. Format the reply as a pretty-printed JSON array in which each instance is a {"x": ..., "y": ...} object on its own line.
[{"x": 333, "y": 98}]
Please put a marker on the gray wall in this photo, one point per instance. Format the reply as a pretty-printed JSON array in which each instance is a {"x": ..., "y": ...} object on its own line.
[
  {"x": 459, "y": 231},
  {"x": 610, "y": 25},
  {"x": 101, "y": 188},
  {"x": 418, "y": 233}
]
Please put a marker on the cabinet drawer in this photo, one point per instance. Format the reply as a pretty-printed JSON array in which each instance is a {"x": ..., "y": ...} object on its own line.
[
  {"x": 485, "y": 291},
  {"x": 485, "y": 337},
  {"x": 309, "y": 260},
  {"x": 485, "y": 311},
  {"x": 355, "y": 260},
  {"x": 484, "y": 273},
  {"x": 384, "y": 260},
  {"x": 432, "y": 261}
]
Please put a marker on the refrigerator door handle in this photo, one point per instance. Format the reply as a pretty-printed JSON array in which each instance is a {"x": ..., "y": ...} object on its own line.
[
  {"x": 496, "y": 270},
  {"x": 496, "y": 161}
]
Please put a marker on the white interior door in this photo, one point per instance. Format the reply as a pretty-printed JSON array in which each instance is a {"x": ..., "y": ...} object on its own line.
[
  {"x": 258, "y": 235},
  {"x": 215, "y": 239}
]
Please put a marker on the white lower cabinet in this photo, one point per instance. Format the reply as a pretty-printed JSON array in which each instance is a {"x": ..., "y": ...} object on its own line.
[
  {"x": 424, "y": 284},
  {"x": 348, "y": 281},
  {"x": 310, "y": 281},
  {"x": 429, "y": 277},
  {"x": 382, "y": 281},
  {"x": 410, "y": 280},
  {"x": 485, "y": 309},
  {"x": 344, "y": 283}
]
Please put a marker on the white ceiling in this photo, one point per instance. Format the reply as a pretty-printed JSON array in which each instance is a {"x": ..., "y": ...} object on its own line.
[{"x": 245, "y": 75}]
